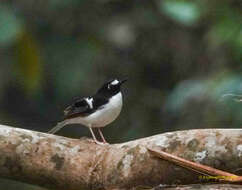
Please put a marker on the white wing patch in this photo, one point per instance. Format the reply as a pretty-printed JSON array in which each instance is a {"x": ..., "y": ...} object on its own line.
[
  {"x": 114, "y": 82},
  {"x": 103, "y": 116},
  {"x": 89, "y": 101}
]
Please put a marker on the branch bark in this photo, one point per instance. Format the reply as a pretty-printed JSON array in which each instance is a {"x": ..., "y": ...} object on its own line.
[{"x": 63, "y": 163}]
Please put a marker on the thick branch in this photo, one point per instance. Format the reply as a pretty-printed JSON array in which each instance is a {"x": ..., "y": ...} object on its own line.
[{"x": 64, "y": 163}]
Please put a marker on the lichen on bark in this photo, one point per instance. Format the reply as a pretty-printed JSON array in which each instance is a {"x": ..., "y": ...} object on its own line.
[{"x": 64, "y": 163}]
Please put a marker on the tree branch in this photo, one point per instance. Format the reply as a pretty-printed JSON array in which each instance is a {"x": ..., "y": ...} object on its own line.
[{"x": 64, "y": 163}]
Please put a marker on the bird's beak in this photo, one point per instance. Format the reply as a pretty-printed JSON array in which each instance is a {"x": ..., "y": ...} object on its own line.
[{"x": 123, "y": 81}]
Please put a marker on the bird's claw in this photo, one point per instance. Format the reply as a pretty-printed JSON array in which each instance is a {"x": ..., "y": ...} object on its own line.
[{"x": 101, "y": 143}]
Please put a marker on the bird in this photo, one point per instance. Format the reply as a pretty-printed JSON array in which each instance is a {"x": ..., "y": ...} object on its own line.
[{"x": 95, "y": 111}]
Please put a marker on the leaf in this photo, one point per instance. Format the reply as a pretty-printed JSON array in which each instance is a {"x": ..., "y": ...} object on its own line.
[
  {"x": 29, "y": 68},
  {"x": 10, "y": 27},
  {"x": 184, "y": 12}
]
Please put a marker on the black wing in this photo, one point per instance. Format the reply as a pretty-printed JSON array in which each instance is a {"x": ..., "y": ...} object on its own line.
[
  {"x": 79, "y": 108},
  {"x": 99, "y": 102}
]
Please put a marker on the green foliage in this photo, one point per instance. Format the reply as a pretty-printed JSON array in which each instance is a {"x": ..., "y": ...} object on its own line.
[
  {"x": 29, "y": 66},
  {"x": 228, "y": 31},
  {"x": 208, "y": 96},
  {"x": 10, "y": 26},
  {"x": 11, "y": 185},
  {"x": 184, "y": 12},
  {"x": 62, "y": 4}
]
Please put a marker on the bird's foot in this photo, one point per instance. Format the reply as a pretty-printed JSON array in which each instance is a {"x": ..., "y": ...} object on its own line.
[{"x": 100, "y": 143}]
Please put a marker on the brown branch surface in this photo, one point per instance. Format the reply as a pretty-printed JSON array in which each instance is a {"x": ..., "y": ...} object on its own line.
[{"x": 64, "y": 163}]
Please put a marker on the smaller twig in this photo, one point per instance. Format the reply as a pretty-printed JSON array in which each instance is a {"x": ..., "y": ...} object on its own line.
[
  {"x": 200, "y": 168},
  {"x": 233, "y": 95}
]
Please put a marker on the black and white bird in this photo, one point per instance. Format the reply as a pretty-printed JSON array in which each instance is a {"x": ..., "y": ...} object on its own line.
[{"x": 95, "y": 111}]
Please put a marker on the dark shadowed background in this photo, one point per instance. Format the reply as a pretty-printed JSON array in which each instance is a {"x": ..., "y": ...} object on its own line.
[{"x": 180, "y": 58}]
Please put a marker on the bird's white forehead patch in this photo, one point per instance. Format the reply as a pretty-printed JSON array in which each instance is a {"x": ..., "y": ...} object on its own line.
[
  {"x": 114, "y": 82},
  {"x": 89, "y": 101}
]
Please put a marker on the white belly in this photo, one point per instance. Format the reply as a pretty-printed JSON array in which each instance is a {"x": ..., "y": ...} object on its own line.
[{"x": 103, "y": 116}]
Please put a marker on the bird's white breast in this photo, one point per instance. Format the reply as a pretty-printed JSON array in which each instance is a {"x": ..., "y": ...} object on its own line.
[{"x": 103, "y": 116}]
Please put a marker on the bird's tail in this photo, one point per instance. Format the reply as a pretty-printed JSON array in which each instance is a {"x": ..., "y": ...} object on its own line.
[{"x": 57, "y": 127}]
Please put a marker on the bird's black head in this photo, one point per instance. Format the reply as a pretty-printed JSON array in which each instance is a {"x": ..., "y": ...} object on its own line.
[{"x": 111, "y": 87}]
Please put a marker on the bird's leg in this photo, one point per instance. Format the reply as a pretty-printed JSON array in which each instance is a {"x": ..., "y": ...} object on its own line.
[
  {"x": 94, "y": 138},
  {"x": 101, "y": 134}
]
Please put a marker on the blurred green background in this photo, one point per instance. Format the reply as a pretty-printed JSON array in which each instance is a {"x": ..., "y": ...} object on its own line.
[{"x": 180, "y": 57}]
